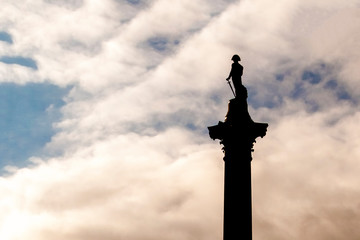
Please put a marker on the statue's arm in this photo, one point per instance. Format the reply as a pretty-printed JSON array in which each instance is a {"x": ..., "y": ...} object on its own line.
[{"x": 230, "y": 74}]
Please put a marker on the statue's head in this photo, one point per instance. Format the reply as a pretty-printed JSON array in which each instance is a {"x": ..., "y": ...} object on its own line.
[{"x": 236, "y": 58}]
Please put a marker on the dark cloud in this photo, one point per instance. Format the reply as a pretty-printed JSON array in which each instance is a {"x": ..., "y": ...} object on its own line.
[{"x": 77, "y": 46}]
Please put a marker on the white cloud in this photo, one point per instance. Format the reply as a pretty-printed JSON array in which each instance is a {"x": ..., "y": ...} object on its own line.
[
  {"x": 309, "y": 171},
  {"x": 124, "y": 183}
]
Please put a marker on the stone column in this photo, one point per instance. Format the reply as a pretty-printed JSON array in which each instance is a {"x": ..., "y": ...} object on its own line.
[{"x": 237, "y": 135}]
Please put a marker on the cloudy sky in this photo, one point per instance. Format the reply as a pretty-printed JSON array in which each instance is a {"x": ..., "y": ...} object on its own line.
[{"x": 105, "y": 106}]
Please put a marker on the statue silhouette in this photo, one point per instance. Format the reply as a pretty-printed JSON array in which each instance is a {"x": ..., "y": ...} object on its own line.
[
  {"x": 236, "y": 73},
  {"x": 237, "y": 134}
]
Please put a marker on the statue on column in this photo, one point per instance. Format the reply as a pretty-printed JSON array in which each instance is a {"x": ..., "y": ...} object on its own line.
[{"x": 238, "y": 131}]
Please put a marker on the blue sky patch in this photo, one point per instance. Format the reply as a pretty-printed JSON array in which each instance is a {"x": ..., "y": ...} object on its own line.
[
  {"x": 311, "y": 77},
  {"x": 69, "y": 4},
  {"x": 272, "y": 100},
  {"x": 216, "y": 98},
  {"x": 279, "y": 77},
  {"x": 162, "y": 44},
  {"x": 311, "y": 106},
  {"x": 298, "y": 91},
  {"x": 332, "y": 84},
  {"x": 26, "y": 116},
  {"x": 22, "y": 61},
  {"x": 134, "y": 2},
  {"x": 158, "y": 43},
  {"x": 342, "y": 94},
  {"x": 5, "y": 37},
  {"x": 340, "y": 90}
]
